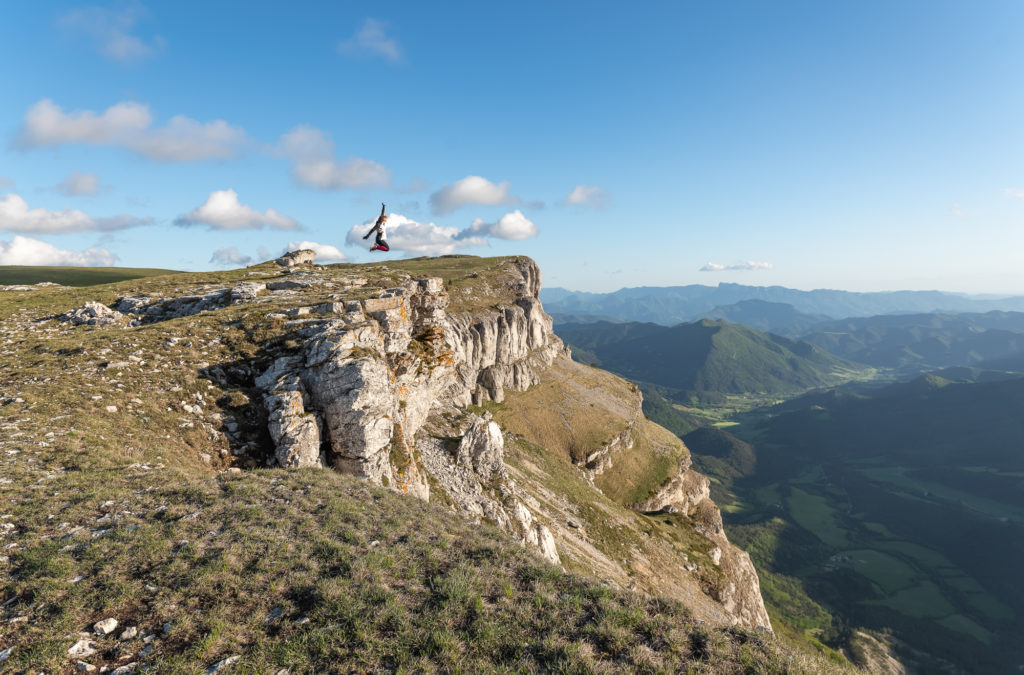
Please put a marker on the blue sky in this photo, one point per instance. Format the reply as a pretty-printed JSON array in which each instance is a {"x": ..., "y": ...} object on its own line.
[{"x": 862, "y": 146}]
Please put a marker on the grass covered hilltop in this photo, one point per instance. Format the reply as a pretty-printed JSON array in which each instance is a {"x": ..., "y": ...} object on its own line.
[{"x": 141, "y": 530}]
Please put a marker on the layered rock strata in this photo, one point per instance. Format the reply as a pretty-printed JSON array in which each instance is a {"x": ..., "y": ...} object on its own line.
[{"x": 366, "y": 379}]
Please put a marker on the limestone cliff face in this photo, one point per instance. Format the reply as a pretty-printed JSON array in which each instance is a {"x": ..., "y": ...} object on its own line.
[
  {"x": 380, "y": 389},
  {"x": 367, "y": 379},
  {"x": 502, "y": 348}
]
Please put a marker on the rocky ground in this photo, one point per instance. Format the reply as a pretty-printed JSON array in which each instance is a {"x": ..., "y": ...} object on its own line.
[{"x": 147, "y": 520}]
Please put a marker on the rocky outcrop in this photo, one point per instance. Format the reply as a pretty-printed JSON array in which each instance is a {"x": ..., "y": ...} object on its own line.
[
  {"x": 473, "y": 477},
  {"x": 503, "y": 347},
  {"x": 292, "y": 258},
  {"x": 95, "y": 314},
  {"x": 148, "y": 308},
  {"x": 683, "y": 492},
  {"x": 367, "y": 379},
  {"x": 362, "y": 386},
  {"x": 689, "y": 493}
]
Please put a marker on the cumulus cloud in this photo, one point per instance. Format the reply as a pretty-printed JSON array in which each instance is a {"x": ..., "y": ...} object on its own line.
[
  {"x": 223, "y": 211},
  {"x": 24, "y": 251},
  {"x": 79, "y": 184},
  {"x": 471, "y": 190},
  {"x": 411, "y": 236},
  {"x": 130, "y": 125},
  {"x": 513, "y": 226},
  {"x": 16, "y": 216},
  {"x": 324, "y": 252},
  {"x": 111, "y": 31},
  {"x": 587, "y": 195},
  {"x": 372, "y": 40},
  {"x": 314, "y": 163},
  {"x": 742, "y": 266},
  {"x": 229, "y": 256}
]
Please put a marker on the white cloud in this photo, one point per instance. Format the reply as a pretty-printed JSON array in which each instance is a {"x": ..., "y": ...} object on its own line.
[
  {"x": 514, "y": 226},
  {"x": 229, "y": 256},
  {"x": 1014, "y": 192},
  {"x": 314, "y": 163},
  {"x": 112, "y": 31},
  {"x": 372, "y": 40},
  {"x": 324, "y": 252},
  {"x": 958, "y": 211},
  {"x": 222, "y": 211},
  {"x": 25, "y": 251},
  {"x": 471, "y": 190},
  {"x": 587, "y": 195},
  {"x": 78, "y": 184},
  {"x": 15, "y": 216},
  {"x": 129, "y": 125},
  {"x": 404, "y": 234},
  {"x": 742, "y": 266}
]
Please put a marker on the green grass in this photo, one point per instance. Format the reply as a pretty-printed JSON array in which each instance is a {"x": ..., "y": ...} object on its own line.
[
  {"x": 115, "y": 514},
  {"x": 923, "y": 599},
  {"x": 891, "y": 574},
  {"x": 963, "y": 624},
  {"x": 816, "y": 515},
  {"x": 73, "y": 276}
]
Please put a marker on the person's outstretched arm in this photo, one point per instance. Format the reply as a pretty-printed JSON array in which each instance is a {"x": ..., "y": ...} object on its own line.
[{"x": 376, "y": 226}]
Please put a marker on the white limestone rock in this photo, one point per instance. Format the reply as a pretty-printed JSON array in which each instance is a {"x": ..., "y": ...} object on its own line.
[
  {"x": 292, "y": 258},
  {"x": 95, "y": 314},
  {"x": 105, "y": 627},
  {"x": 82, "y": 649},
  {"x": 482, "y": 449}
]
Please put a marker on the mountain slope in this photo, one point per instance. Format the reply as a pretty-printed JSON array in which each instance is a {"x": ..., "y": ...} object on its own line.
[
  {"x": 771, "y": 317},
  {"x": 145, "y": 435},
  {"x": 708, "y": 356},
  {"x": 923, "y": 341}
]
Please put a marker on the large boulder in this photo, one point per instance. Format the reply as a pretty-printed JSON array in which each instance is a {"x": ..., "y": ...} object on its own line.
[
  {"x": 95, "y": 314},
  {"x": 292, "y": 258}
]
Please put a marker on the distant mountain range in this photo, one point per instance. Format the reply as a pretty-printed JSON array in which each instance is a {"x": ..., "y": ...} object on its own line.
[
  {"x": 896, "y": 338},
  {"x": 674, "y": 304}
]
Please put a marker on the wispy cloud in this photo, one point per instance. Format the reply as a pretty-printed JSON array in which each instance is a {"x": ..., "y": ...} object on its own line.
[
  {"x": 373, "y": 40},
  {"x": 749, "y": 265},
  {"x": 1014, "y": 192},
  {"x": 324, "y": 252},
  {"x": 314, "y": 163},
  {"x": 587, "y": 195},
  {"x": 230, "y": 256},
  {"x": 129, "y": 125},
  {"x": 5, "y": 182},
  {"x": 25, "y": 251},
  {"x": 112, "y": 31},
  {"x": 471, "y": 190},
  {"x": 223, "y": 211},
  {"x": 16, "y": 216},
  {"x": 79, "y": 184}
]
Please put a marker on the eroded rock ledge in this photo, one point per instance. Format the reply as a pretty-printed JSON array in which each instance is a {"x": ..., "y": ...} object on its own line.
[{"x": 360, "y": 389}]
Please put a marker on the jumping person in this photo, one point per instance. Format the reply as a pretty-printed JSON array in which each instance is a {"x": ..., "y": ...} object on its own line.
[{"x": 379, "y": 227}]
